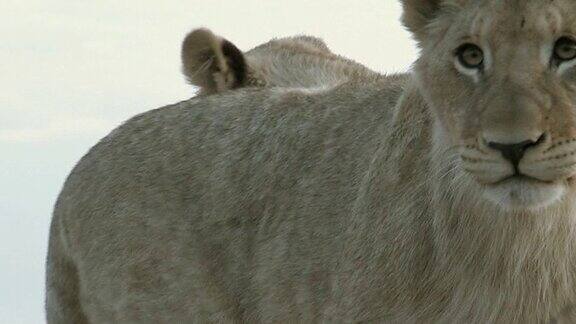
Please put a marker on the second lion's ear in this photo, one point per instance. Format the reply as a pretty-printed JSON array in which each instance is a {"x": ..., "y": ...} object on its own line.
[{"x": 212, "y": 63}]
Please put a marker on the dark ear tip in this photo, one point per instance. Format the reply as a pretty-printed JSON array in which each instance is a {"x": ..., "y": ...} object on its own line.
[{"x": 236, "y": 61}]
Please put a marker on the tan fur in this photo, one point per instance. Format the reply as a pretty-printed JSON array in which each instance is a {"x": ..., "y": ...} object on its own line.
[
  {"x": 290, "y": 62},
  {"x": 373, "y": 200}
]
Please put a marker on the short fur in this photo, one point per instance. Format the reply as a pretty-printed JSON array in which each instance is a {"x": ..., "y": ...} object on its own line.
[
  {"x": 297, "y": 62},
  {"x": 367, "y": 201}
]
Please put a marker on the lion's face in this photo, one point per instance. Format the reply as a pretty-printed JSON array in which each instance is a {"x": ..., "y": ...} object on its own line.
[{"x": 500, "y": 78}]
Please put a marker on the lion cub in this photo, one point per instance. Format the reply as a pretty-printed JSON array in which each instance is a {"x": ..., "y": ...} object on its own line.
[{"x": 214, "y": 64}]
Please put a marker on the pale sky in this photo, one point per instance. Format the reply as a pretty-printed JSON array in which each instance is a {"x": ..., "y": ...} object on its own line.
[{"x": 73, "y": 70}]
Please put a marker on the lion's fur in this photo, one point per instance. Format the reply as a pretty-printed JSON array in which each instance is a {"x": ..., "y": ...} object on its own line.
[{"x": 345, "y": 204}]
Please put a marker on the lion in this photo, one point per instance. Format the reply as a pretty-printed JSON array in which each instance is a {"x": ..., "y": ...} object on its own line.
[
  {"x": 214, "y": 64},
  {"x": 443, "y": 195}
]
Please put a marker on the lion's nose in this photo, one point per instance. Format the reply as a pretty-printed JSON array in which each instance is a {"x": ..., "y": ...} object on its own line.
[{"x": 515, "y": 152}]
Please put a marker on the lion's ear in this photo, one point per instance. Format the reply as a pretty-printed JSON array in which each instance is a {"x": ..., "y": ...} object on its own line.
[
  {"x": 418, "y": 14},
  {"x": 212, "y": 63}
]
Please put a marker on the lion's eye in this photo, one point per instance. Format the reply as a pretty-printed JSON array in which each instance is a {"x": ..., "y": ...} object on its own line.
[
  {"x": 470, "y": 56},
  {"x": 565, "y": 49}
]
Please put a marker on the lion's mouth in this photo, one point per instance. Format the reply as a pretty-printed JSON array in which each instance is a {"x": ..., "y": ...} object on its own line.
[
  {"x": 519, "y": 177},
  {"x": 520, "y": 191}
]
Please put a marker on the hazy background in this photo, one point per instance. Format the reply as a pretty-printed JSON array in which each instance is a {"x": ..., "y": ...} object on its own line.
[{"x": 70, "y": 71}]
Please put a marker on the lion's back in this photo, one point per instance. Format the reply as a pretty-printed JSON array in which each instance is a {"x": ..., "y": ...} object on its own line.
[{"x": 231, "y": 197}]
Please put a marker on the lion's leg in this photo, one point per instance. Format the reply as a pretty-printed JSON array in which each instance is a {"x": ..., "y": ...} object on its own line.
[{"x": 62, "y": 287}]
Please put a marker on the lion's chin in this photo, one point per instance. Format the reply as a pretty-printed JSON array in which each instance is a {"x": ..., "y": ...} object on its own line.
[{"x": 521, "y": 193}]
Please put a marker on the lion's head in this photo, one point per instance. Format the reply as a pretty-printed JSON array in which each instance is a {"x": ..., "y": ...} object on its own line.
[
  {"x": 215, "y": 64},
  {"x": 500, "y": 79}
]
